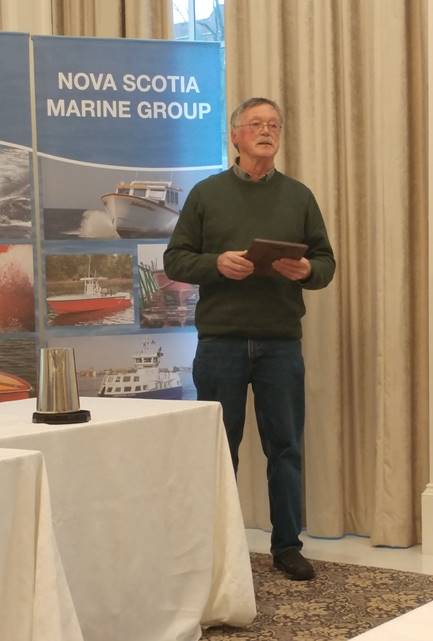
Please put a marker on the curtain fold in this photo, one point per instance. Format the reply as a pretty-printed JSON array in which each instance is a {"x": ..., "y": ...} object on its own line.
[
  {"x": 26, "y": 16},
  {"x": 113, "y": 18},
  {"x": 149, "y": 19},
  {"x": 350, "y": 76},
  {"x": 146, "y": 19}
]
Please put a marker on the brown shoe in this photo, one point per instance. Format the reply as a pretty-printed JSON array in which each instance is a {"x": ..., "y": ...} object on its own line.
[{"x": 294, "y": 565}]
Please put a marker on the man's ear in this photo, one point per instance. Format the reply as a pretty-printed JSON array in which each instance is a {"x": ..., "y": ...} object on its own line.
[{"x": 234, "y": 138}]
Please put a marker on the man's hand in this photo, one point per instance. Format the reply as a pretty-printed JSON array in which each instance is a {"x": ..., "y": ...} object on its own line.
[
  {"x": 231, "y": 264},
  {"x": 293, "y": 269}
]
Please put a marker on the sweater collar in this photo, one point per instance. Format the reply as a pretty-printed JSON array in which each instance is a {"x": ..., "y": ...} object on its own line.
[{"x": 243, "y": 175}]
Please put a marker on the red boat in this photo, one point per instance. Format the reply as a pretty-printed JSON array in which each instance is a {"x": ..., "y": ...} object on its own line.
[
  {"x": 13, "y": 388},
  {"x": 93, "y": 298}
]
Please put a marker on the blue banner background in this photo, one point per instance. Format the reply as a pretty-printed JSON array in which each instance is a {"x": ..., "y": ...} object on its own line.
[
  {"x": 15, "y": 125},
  {"x": 133, "y": 141}
]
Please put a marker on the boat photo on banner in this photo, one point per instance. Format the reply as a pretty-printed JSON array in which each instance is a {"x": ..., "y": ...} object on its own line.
[
  {"x": 18, "y": 313},
  {"x": 89, "y": 290},
  {"x": 156, "y": 365}
]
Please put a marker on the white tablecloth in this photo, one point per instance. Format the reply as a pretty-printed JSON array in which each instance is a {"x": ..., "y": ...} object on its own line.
[
  {"x": 146, "y": 514},
  {"x": 35, "y": 602}
]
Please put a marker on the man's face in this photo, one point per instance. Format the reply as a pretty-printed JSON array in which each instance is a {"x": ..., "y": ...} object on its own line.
[{"x": 257, "y": 135}]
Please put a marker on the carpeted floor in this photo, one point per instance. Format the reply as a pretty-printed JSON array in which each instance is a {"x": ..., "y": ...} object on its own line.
[{"x": 343, "y": 601}]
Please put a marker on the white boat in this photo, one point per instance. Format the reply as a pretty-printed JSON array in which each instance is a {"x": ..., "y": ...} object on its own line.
[
  {"x": 146, "y": 380},
  {"x": 143, "y": 208}
]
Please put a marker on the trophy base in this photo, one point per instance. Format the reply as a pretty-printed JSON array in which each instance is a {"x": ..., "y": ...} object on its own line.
[{"x": 61, "y": 418}]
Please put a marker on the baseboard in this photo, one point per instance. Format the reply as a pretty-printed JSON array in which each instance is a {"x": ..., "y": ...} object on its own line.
[{"x": 427, "y": 519}]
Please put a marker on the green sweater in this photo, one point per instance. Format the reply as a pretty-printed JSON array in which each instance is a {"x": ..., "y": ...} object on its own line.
[{"x": 225, "y": 212}]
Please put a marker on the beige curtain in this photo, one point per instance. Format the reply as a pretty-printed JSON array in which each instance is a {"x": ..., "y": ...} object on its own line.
[
  {"x": 103, "y": 18},
  {"x": 351, "y": 78},
  {"x": 109, "y": 18},
  {"x": 26, "y": 16}
]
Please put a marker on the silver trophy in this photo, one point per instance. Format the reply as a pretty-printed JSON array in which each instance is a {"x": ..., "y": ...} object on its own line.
[{"x": 58, "y": 401}]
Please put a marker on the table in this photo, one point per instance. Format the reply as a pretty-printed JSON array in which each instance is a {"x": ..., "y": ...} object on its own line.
[
  {"x": 35, "y": 602},
  {"x": 147, "y": 516},
  {"x": 415, "y": 625}
]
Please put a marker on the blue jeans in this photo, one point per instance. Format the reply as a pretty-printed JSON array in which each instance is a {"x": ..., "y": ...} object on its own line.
[{"x": 222, "y": 369}]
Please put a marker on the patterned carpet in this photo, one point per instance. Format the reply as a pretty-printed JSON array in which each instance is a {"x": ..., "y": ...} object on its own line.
[{"x": 343, "y": 601}]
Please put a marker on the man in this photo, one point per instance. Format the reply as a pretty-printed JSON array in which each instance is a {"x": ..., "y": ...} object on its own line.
[{"x": 249, "y": 326}]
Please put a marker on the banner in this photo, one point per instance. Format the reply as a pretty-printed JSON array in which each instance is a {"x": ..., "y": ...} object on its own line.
[
  {"x": 125, "y": 128},
  {"x": 17, "y": 289},
  {"x": 16, "y": 187},
  {"x": 127, "y": 102},
  {"x": 15, "y": 122}
]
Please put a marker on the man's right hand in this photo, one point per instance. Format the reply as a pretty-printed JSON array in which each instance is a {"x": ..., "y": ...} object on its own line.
[{"x": 232, "y": 265}]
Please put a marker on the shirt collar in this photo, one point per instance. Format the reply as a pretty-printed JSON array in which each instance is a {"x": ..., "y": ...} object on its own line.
[{"x": 243, "y": 175}]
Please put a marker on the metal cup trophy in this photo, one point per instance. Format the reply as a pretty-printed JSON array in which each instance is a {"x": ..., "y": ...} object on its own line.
[{"x": 58, "y": 401}]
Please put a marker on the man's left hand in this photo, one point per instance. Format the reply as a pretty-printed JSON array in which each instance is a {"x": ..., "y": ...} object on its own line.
[{"x": 293, "y": 269}]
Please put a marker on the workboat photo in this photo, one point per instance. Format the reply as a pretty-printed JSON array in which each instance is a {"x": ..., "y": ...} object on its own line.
[
  {"x": 18, "y": 358},
  {"x": 163, "y": 302},
  {"x": 110, "y": 202},
  {"x": 134, "y": 365},
  {"x": 143, "y": 208},
  {"x": 94, "y": 297},
  {"x": 147, "y": 379},
  {"x": 13, "y": 388},
  {"x": 89, "y": 290}
]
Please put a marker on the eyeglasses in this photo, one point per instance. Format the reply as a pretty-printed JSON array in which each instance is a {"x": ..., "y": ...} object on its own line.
[{"x": 256, "y": 126}]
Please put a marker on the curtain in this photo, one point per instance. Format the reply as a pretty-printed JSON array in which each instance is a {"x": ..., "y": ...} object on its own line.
[
  {"x": 26, "y": 16},
  {"x": 350, "y": 76},
  {"x": 109, "y": 18},
  {"x": 103, "y": 18}
]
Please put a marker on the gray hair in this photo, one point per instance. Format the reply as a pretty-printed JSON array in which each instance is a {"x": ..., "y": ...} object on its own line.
[{"x": 248, "y": 104}]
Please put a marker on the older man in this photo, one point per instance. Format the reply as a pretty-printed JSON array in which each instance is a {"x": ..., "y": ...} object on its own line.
[{"x": 249, "y": 325}]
